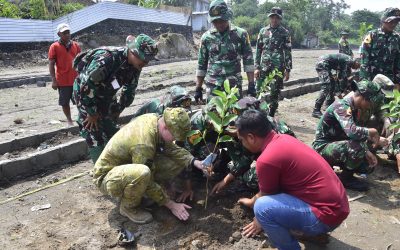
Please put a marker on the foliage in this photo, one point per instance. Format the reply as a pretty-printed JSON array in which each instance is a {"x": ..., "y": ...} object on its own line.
[
  {"x": 393, "y": 108},
  {"x": 363, "y": 29},
  {"x": 9, "y": 10},
  {"x": 37, "y": 9},
  {"x": 70, "y": 7},
  {"x": 264, "y": 87}
]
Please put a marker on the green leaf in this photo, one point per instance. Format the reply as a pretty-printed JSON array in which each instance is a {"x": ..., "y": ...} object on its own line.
[
  {"x": 386, "y": 106},
  {"x": 394, "y": 126},
  {"x": 396, "y": 137},
  {"x": 228, "y": 119},
  {"x": 227, "y": 86},
  {"x": 225, "y": 138},
  {"x": 195, "y": 142},
  {"x": 219, "y": 106},
  {"x": 215, "y": 121},
  {"x": 220, "y": 93},
  {"x": 193, "y": 132}
]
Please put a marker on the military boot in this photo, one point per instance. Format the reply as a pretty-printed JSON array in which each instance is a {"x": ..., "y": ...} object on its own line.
[
  {"x": 137, "y": 215},
  {"x": 317, "y": 111}
]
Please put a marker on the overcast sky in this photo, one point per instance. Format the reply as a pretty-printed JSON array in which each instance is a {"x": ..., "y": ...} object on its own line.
[{"x": 374, "y": 5}]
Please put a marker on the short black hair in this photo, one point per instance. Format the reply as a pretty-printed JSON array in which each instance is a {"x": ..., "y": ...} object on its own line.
[{"x": 254, "y": 122}]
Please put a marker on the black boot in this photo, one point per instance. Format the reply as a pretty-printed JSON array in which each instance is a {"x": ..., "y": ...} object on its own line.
[
  {"x": 353, "y": 183},
  {"x": 317, "y": 111}
]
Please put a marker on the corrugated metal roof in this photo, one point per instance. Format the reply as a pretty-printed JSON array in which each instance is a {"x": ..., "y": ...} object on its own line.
[{"x": 27, "y": 30}]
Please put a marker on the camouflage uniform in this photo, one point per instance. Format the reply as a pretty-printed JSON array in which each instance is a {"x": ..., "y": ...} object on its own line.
[
  {"x": 102, "y": 73},
  {"x": 220, "y": 54},
  {"x": 342, "y": 65},
  {"x": 339, "y": 137},
  {"x": 273, "y": 51},
  {"x": 380, "y": 51},
  {"x": 344, "y": 47},
  {"x": 135, "y": 161},
  {"x": 177, "y": 97}
]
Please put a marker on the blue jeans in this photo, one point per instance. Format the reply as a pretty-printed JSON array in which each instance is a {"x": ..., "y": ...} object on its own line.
[{"x": 280, "y": 213}]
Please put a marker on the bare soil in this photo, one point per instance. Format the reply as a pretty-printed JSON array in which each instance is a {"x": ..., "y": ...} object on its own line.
[{"x": 80, "y": 217}]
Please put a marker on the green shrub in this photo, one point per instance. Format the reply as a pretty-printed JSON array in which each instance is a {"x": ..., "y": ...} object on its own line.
[{"x": 9, "y": 10}]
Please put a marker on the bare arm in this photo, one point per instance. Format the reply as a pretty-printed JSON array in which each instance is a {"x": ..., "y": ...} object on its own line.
[{"x": 52, "y": 70}]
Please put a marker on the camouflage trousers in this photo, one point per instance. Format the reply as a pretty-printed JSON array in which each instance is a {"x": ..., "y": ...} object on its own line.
[
  {"x": 131, "y": 182},
  {"x": 97, "y": 139},
  {"x": 250, "y": 178},
  {"x": 327, "y": 89},
  {"x": 347, "y": 154},
  {"x": 210, "y": 87},
  {"x": 276, "y": 87}
]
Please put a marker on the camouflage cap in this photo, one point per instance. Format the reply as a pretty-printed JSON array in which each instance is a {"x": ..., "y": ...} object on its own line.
[
  {"x": 344, "y": 32},
  {"x": 250, "y": 102},
  {"x": 178, "y": 122},
  {"x": 178, "y": 97},
  {"x": 385, "y": 83},
  {"x": 143, "y": 46},
  {"x": 219, "y": 10},
  {"x": 276, "y": 11},
  {"x": 370, "y": 91},
  {"x": 390, "y": 14}
]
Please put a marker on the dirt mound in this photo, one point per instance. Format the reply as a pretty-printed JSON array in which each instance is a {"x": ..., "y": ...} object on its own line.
[{"x": 173, "y": 45}]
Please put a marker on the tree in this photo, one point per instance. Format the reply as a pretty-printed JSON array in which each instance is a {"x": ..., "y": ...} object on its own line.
[
  {"x": 364, "y": 16},
  {"x": 9, "y": 10}
]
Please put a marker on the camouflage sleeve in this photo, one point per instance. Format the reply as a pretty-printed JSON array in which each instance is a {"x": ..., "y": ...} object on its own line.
[
  {"x": 345, "y": 118},
  {"x": 247, "y": 53},
  {"x": 128, "y": 93},
  {"x": 396, "y": 72},
  {"x": 365, "y": 62},
  {"x": 241, "y": 161},
  {"x": 150, "y": 107},
  {"x": 202, "y": 62},
  {"x": 94, "y": 75},
  {"x": 259, "y": 49},
  {"x": 181, "y": 156},
  {"x": 287, "y": 49}
]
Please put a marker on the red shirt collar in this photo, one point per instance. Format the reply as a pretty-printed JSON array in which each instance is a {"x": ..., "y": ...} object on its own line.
[{"x": 268, "y": 139}]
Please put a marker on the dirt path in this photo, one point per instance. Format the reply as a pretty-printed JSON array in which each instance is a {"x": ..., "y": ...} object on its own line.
[
  {"x": 38, "y": 108},
  {"x": 80, "y": 217}
]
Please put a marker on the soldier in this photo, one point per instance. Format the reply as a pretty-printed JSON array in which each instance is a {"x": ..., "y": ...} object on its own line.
[
  {"x": 380, "y": 50},
  {"x": 342, "y": 64},
  {"x": 176, "y": 97},
  {"x": 344, "y": 46},
  {"x": 273, "y": 51},
  {"x": 342, "y": 141},
  {"x": 136, "y": 161},
  {"x": 101, "y": 73},
  {"x": 220, "y": 53},
  {"x": 241, "y": 167}
]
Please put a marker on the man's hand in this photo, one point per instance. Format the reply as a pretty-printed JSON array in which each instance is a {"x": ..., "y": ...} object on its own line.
[
  {"x": 252, "y": 229},
  {"x": 186, "y": 194},
  {"x": 90, "y": 123},
  {"x": 54, "y": 84},
  {"x": 178, "y": 209},
  {"x": 383, "y": 142},
  {"x": 247, "y": 202},
  {"x": 198, "y": 96},
  {"x": 373, "y": 135},
  {"x": 222, "y": 184},
  {"x": 287, "y": 76},
  {"x": 257, "y": 74},
  {"x": 371, "y": 158},
  {"x": 251, "y": 90}
]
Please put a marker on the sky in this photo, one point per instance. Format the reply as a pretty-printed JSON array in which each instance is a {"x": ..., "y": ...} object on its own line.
[{"x": 373, "y": 5}]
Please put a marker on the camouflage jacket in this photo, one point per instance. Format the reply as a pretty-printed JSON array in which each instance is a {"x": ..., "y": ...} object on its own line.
[
  {"x": 380, "y": 54},
  {"x": 101, "y": 73},
  {"x": 344, "y": 47},
  {"x": 340, "y": 122},
  {"x": 138, "y": 146},
  {"x": 273, "y": 49},
  {"x": 154, "y": 106},
  {"x": 220, "y": 55},
  {"x": 341, "y": 63}
]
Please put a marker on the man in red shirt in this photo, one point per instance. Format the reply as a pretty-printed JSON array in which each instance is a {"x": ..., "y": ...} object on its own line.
[
  {"x": 61, "y": 55},
  {"x": 299, "y": 191}
]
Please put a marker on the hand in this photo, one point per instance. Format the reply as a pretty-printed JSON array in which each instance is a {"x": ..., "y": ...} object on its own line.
[
  {"x": 287, "y": 76},
  {"x": 371, "y": 158},
  {"x": 178, "y": 209},
  {"x": 373, "y": 135},
  {"x": 247, "y": 202},
  {"x": 218, "y": 187},
  {"x": 90, "y": 123},
  {"x": 54, "y": 84},
  {"x": 252, "y": 229},
  {"x": 186, "y": 194},
  {"x": 198, "y": 96},
  {"x": 383, "y": 142},
  {"x": 251, "y": 90},
  {"x": 257, "y": 74}
]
